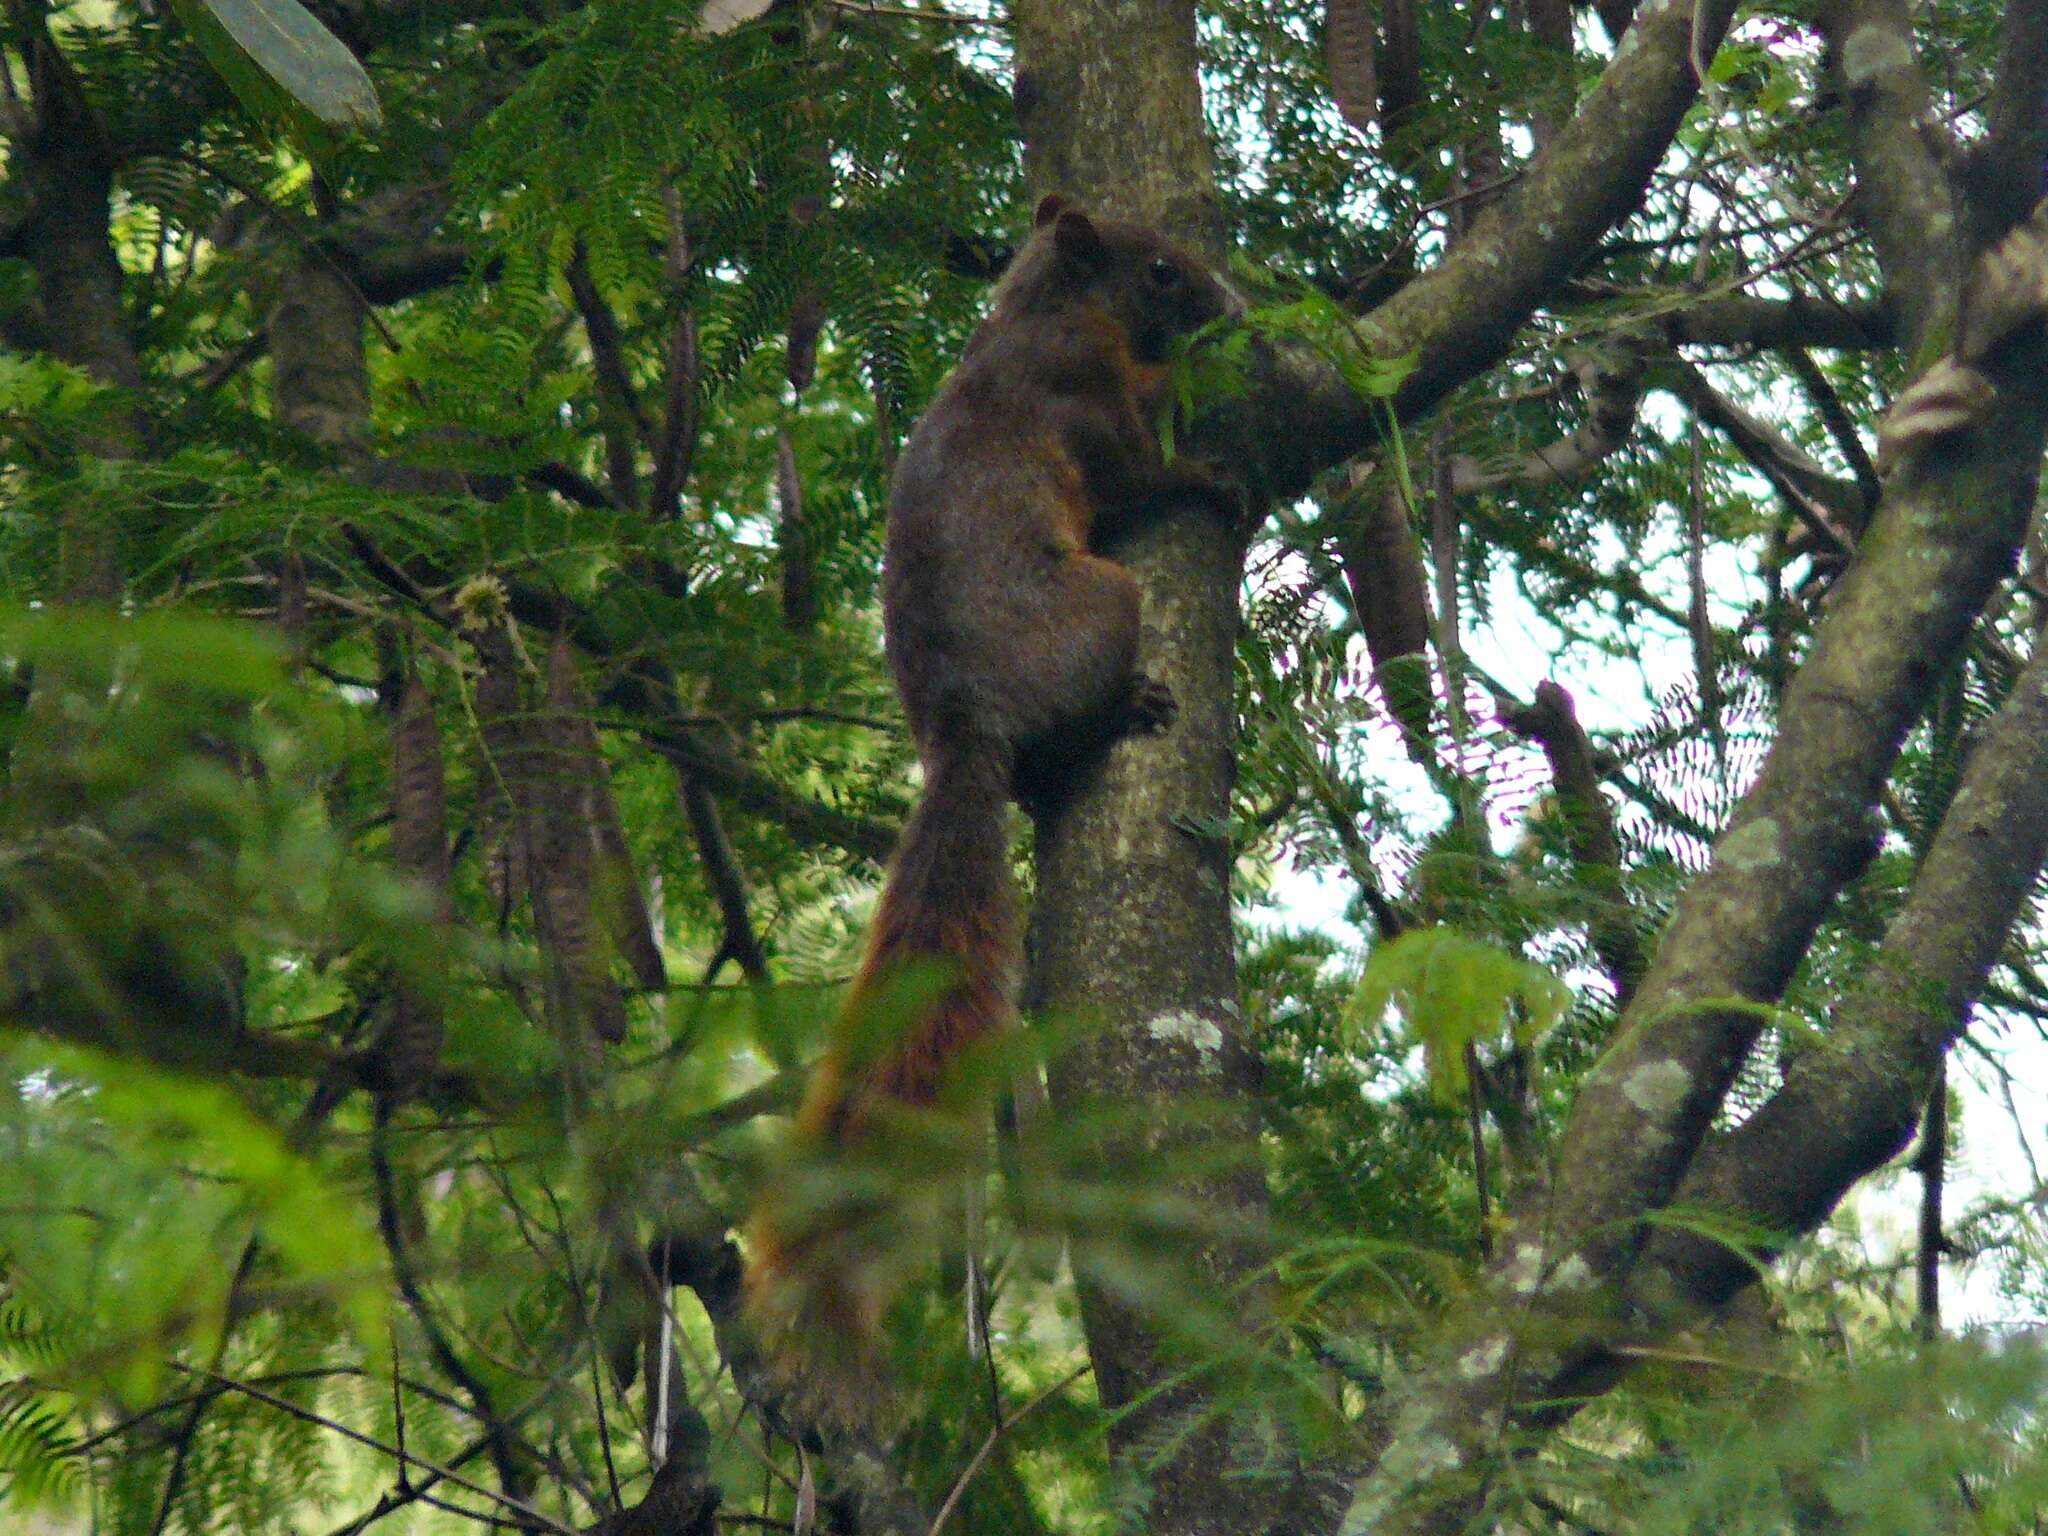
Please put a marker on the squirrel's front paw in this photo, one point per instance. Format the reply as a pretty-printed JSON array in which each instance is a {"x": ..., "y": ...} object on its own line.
[{"x": 1152, "y": 706}]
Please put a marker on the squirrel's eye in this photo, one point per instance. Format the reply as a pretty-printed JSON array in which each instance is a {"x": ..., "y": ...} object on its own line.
[{"x": 1164, "y": 273}]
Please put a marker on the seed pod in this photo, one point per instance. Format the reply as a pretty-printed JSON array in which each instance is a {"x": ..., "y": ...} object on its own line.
[
  {"x": 505, "y": 773},
  {"x": 564, "y": 887},
  {"x": 620, "y": 899},
  {"x": 1348, "y": 54},
  {"x": 419, "y": 851},
  {"x": 291, "y": 608},
  {"x": 793, "y": 540},
  {"x": 806, "y": 320}
]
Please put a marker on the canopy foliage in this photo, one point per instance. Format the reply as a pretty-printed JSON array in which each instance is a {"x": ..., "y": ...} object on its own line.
[{"x": 449, "y": 759}]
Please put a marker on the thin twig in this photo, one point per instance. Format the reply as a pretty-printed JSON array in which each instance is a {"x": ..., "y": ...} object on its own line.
[
  {"x": 188, "y": 1432},
  {"x": 228, "y": 364},
  {"x": 503, "y": 1457},
  {"x": 739, "y": 941},
  {"x": 988, "y": 1445},
  {"x": 445, "y": 1474},
  {"x": 1476, "y": 1121},
  {"x": 327, "y": 1093},
  {"x": 676, "y": 449}
]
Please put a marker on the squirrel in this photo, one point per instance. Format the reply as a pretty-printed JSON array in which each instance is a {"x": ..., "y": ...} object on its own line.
[{"x": 1013, "y": 642}]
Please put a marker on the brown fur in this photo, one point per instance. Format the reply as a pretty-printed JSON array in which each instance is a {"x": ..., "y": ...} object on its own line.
[{"x": 1013, "y": 644}]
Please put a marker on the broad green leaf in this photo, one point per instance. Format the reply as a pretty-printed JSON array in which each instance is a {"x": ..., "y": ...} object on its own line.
[
  {"x": 1454, "y": 990},
  {"x": 282, "y": 62}
]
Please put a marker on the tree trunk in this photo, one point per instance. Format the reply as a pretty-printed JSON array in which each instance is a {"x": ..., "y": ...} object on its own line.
[
  {"x": 1132, "y": 928},
  {"x": 61, "y": 172}
]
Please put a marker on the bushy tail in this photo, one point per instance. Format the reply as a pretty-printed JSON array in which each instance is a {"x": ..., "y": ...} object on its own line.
[
  {"x": 944, "y": 943},
  {"x": 946, "y": 911}
]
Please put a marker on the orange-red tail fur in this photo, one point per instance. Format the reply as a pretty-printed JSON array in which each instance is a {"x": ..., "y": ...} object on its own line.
[{"x": 822, "y": 1267}]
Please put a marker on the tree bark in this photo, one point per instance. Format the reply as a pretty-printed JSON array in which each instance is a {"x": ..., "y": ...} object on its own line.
[
  {"x": 1132, "y": 926},
  {"x": 1946, "y": 530},
  {"x": 62, "y": 172},
  {"x": 320, "y": 378}
]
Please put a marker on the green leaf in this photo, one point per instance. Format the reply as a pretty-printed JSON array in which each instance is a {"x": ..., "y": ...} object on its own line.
[
  {"x": 166, "y": 1129},
  {"x": 282, "y": 62},
  {"x": 1454, "y": 990},
  {"x": 214, "y": 656},
  {"x": 1733, "y": 59}
]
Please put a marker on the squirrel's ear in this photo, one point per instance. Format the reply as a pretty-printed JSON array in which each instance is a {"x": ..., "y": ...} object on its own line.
[
  {"x": 1077, "y": 236},
  {"x": 1049, "y": 207}
]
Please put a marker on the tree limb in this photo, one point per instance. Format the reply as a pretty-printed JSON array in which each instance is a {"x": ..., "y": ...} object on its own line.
[
  {"x": 1737, "y": 320},
  {"x": 1946, "y": 531},
  {"x": 1460, "y": 317},
  {"x": 2015, "y": 149},
  {"x": 1904, "y": 198},
  {"x": 1849, "y": 1104},
  {"x": 1551, "y": 722},
  {"x": 1382, "y": 569}
]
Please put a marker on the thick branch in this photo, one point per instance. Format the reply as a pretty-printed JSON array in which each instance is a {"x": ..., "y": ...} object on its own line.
[
  {"x": 392, "y": 276},
  {"x": 320, "y": 378},
  {"x": 1736, "y": 320},
  {"x": 1849, "y": 1104},
  {"x": 2015, "y": 149},
  {"x": 678, "y": 1502},
  {"x": 1460, "y": 317},
  {"x": 1739, "y": 320},
  {"x": 1389, "y": 598},
  {"x": 1946, "y": 531},
  {"x": 1904, "y": 198}
]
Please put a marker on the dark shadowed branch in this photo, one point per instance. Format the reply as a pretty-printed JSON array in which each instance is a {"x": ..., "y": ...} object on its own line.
[{"x": 1553, "y": 724}]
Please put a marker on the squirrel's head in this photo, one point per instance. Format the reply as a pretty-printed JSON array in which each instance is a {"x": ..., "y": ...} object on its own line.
[{"x": 1140, "y": 278}]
